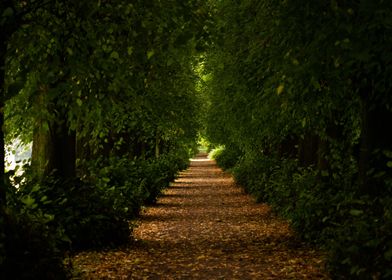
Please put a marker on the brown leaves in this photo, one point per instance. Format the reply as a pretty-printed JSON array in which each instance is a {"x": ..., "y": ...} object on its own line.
[{"x": 204, "y": 227}]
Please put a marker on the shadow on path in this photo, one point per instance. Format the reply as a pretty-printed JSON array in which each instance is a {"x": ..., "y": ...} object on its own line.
[{"x": 204, "y": 227}]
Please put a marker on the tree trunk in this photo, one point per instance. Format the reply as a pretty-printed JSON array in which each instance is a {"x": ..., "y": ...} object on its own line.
[
  {"x": 323, "y": 150},
  {"x": 308, "y": 148},
  {"x": 63, "y": 158},
  {"x": 157, "y": 142},
  {"x": 334, "y": 134},
  {"x": 54, "y": 151},
  {"x": 3, "y": 191},
  {"x": 288, "y": 148},
  {"x": 54, "y": 146},
  {"x": 42, "y": 149},
  {"x": 376, "y": 137}
]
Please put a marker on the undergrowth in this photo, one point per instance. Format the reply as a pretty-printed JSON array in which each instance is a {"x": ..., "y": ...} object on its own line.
[
  {"x": 46, "y": 220},
  {"x": 324, "y": 209}
]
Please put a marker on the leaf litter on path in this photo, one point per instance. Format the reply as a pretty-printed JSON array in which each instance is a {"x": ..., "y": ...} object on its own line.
[{"x": 205, "y": 227}]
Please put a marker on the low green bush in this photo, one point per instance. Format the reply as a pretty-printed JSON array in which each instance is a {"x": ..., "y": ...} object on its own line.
[
  {"x": 50, "y": 217},
  {"x": 362, "y": 247},
  {"x": 91, "y": 216},
  {"x": 226, "y": 157},
  {"x": 32, "y": 246},
  {"x": 327, "y": 210},
  {"x": 161, "y": 171}
]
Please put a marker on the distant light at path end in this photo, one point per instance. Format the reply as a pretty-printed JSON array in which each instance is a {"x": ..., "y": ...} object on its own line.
[{"x": 200, "y": 159}]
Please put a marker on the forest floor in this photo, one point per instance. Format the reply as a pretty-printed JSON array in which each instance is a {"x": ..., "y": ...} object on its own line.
[{"x": 206, "y": 227}]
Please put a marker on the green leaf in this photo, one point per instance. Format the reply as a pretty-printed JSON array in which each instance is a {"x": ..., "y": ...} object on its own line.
[
  {"x": 48, "y": 217},
  {"x": 388, "y": 255},
  {"x": 356, "y": 212},
  {"x": 389, "y": 164},
  {"x": 303, "y": 122},
  {"x": 150, "y": 54},
  {"x": 63, "y": 201},
  {"x": 8, "y": 12},
  {"x": 280, "y": 89},
  {"x": 324, "y": 173},
  {"x": 115, "y": 55},
  {"x": 29, "y": 201},
  {"x": 65, "y": 238},
  {"x": 130, "y": 50},
  {"x": 169, "y": 61},
  {"x": 69, "y": 50},
  {"x": 79, "y": 101}
]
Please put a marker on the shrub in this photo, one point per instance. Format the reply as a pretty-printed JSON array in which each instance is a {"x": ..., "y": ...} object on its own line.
[
  {"x": 161, "y": 171},
  {"x": 226, "y": 157},
  {"x": 355, "y": 229},
  {"x": 362, "y": 247},
  {"x": 90, "y": 215},
  {"x": 32, "y": 246}
]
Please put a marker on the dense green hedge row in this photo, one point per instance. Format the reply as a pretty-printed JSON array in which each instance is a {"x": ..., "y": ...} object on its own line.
[
  {"x": 299, "y": 94},
  {"x": 354, "y": 229},
  {"x": 50, "y": 219}
]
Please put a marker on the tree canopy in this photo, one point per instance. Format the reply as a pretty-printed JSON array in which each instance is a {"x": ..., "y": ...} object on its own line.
[{"x": 113, "y": 96}]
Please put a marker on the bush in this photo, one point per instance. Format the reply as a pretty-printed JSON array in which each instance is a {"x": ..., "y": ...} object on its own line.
[
  {"x": 97, "y": 211},
  {"x": 91, "y": 216},
  {"x": 161, "y": 171},
  {"x": 226, "y": 157},
  {"x": 362, "y": 247},
  {"x": 32, "y": 246},
  {"x": 326, "y": 210},
  {"x": 48, "y": 218}
]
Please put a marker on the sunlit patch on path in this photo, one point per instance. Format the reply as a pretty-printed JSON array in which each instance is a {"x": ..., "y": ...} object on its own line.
[{"x": 205, "y": 227}]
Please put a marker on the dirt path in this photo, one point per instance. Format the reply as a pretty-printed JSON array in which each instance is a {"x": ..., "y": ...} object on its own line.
[{"x": 204, "y": 227}]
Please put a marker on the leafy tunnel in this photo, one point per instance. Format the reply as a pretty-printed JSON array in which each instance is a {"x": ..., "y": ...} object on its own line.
[{"x": 114, "y": 97}]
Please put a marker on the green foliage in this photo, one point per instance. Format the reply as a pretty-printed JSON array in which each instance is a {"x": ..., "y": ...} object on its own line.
[
  {"x": 160, "y": 172},
  {"x": 115, "y": 78},
  {"x": 363, "y": 245},
  {"x": 98, "y": 211},
  {"x": 302, "y": 90},
  {"x": 95, "y": 212},
  {"x": 32, "y": 249},
  {"x": 356, "y": 230},
  {"x": 32, "y": 246},
  {"x": 226, "y": 157},
  {"x": 89, "y": 215}
]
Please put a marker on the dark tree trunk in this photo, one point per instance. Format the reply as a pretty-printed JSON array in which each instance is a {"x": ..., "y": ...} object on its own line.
[
  {"x": 139, "y": 149},
  {"x": 84, "y": 153},
  {"x": 3, "y": 191},
  {"x": 288, "y": 148},
  {"x": 63, "y": 158},
  {"x": 376, "y": 137},
  {"x": 333, "y": 134},
  {"x": 42, "y": 149},
  {"x": 54, "y": 146},
  {"x": 157, "y": 145},
  {"x": 54, "y": 152},
  {"x": 323, "y": 149},
  {"x": 308, "y": 150}
]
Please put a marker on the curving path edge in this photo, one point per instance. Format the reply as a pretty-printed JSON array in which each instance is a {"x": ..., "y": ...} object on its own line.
[{"x": 205, "y": 227}]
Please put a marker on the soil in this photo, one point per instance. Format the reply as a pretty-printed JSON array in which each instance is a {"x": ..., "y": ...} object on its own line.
[{"x": 205, "y": 227}]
